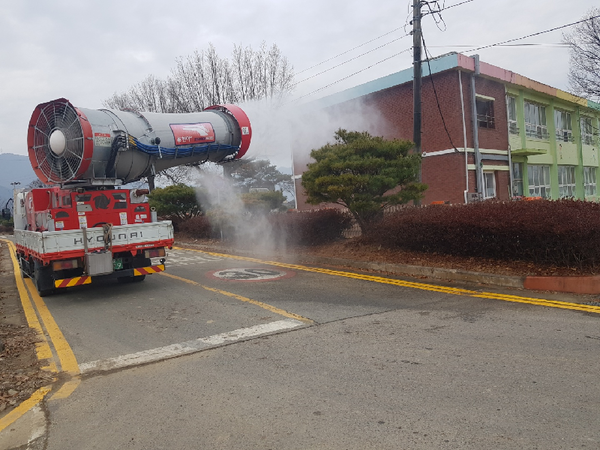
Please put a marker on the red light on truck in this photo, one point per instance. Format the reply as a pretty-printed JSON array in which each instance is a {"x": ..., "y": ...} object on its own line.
[
  {"x": 65, "y": 264},
  {"x": 154, "y": 252}
]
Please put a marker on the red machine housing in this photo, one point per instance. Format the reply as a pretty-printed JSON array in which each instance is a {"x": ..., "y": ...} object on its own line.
[{"x": 55, "y": 208}]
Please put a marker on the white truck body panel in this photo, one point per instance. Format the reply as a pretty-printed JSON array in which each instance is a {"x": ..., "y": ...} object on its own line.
[{"x": 49, "y": 242}]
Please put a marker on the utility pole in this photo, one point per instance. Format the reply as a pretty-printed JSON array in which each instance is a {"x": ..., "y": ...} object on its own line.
[
  {"x": 416, "y": 22},
  {"x": 417, "y": 76}
]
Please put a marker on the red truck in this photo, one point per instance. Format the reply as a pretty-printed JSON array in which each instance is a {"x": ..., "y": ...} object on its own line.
[{"x": 84, "y": 223}]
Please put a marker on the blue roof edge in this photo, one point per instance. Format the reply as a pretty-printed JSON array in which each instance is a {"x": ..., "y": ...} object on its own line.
[{"x": 439, "y": 64}]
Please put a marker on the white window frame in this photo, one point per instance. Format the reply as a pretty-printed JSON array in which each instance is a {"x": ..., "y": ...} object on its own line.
[
  {"x": 589, "y": 181},
  {"x": 587, "y": 130},
  {"x": 566, "y": 182},
  {"x": 538, "y": 177},
  {"x": 535, "y": 121},
  {"x": 517, "y": 175},
  {"x": 489, "y": 184},
  {"x": 564, "y": 125},
  {"x": 511, "y": 107}
]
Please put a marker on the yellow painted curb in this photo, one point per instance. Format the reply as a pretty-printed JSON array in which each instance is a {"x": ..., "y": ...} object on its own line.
[{"x": 25, "y": 406}]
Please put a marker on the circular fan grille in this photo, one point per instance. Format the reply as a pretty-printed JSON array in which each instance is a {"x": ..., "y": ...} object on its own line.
[{"x": 58, "y": 163}]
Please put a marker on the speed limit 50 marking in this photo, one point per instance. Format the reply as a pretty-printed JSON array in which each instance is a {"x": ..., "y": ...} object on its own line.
[{"x": 250, "y": 274}]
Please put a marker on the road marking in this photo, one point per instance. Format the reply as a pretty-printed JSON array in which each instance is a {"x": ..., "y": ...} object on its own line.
[
  {"x": 250, "y": 274},
  {"x": 42, "y": 349},
  {"x": 18, "y": 412},
  {"x": 181, "y": 257},
  {"x": 421, "y": 286},
  {"x": 68, "y": 363},
  {"x": 266, "y": 306},
  {"x": 186, "y": 348}
]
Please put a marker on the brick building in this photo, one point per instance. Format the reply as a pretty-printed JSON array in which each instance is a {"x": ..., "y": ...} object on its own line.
[{"x": 513, "y": 137}]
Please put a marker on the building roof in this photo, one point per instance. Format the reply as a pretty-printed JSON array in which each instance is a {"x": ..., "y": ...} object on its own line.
[{"x": 451, "y": 61}]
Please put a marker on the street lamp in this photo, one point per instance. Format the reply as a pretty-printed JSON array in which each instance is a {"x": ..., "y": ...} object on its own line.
[{"x": 14, "y": 184}]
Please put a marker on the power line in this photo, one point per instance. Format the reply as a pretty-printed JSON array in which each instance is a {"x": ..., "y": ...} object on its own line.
[
  {"x": 535, "y": 34},
  {"x": 444, "y": 8},
  {"x": 525, "y": 44},
  {"x": 372, "y": 40},
  {"x": 352, "y": 74},
  {"x": 348, "y": 51},
  {"x": 437, "y": 100},
  {"x": 351, "y": 59}
]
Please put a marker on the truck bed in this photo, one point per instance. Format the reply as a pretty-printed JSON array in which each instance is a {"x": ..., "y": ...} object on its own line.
[{"x": 53, "y": 245}]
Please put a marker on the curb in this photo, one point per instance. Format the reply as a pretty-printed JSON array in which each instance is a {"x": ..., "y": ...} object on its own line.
[
  {"x": 421, "y": 271},
  {"x": 568, "y": 285}
]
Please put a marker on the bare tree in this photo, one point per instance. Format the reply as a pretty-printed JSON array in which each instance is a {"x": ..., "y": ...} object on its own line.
[
  {"x": 584, "y": 43},
  {"x": 204, "y": 78}
]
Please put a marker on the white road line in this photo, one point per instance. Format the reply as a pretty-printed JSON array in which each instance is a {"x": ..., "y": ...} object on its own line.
[{"x": 184, "y": 348}]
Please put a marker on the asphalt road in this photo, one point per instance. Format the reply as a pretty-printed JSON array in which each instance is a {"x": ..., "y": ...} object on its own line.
[{"x": 222, "y": 353}]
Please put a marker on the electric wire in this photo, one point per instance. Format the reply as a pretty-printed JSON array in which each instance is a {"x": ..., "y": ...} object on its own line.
[
  {"x": 348, "y": 51},
  {"x": 352, "y": 74},
  {"x": 502, "y": 43},
  {"x": 437, "y": 100},
  {"x": 351, "y": 59},
  {"x": 444, "y": 8},
  {"x": 534, "y": 34},
  {"x": 366, "y": 53}
]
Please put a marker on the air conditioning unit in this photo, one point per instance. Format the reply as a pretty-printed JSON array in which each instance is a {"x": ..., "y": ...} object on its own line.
[{"x": 473, "y": 197}]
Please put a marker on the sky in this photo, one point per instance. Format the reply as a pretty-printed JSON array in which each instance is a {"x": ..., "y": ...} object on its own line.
[{"x": 86, "y": 51}]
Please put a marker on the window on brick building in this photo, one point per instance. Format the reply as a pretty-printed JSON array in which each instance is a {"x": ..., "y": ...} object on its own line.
[
  {"x": 485, "y": 112},
  {"x": 564, "y": 128},
  {"x": 489, "y": 184},
  {"x": 511, "y": 104},
  {"x": 539, "y": 181},
  {"x": 589, "y": 181},
  {"x": 535, "y": 121}
]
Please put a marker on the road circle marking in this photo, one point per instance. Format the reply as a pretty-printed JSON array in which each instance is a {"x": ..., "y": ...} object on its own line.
[{"x": 250, "y": 274}]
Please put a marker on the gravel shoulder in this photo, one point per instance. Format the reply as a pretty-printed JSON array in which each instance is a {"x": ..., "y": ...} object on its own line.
[{"x": 21, "y": 372}]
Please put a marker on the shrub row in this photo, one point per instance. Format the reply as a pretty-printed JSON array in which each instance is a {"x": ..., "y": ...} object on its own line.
[
  {"x": 563, "y": 233},
  {"x": 310, "y": 228},
  {"x": 307, "y": 228}
]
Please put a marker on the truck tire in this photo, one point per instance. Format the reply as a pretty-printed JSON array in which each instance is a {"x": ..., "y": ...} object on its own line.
[{"x": 44, "y": 281}]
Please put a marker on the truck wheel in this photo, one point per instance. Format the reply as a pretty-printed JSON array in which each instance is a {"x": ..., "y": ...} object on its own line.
[{"x": 44, "y": 281}]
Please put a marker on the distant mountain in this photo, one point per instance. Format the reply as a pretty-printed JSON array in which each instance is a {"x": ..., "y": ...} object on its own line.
[
  {"x": 5, "y": 194},
  {"x": 14, "y": 168}
]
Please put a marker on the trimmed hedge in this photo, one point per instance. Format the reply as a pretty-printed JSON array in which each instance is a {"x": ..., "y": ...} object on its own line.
[
  {"x": 310, "y": 228},
  {"x": 564, "y": 233},
  {"x": 198, "y": 227},
  {"x": 307, "y": 228}
]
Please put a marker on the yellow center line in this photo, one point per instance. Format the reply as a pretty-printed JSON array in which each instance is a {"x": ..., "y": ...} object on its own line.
[
  {"x": 271, "y": 308},
  {"x": 411, "y": 284}
]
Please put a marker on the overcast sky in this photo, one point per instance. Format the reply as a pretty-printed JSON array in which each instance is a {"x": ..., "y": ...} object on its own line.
[{"x": 87, "y": 50}]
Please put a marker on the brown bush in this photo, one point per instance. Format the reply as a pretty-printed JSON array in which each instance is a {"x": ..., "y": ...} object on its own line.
[
  {"x": 310, "y": 227},
  {"x": 198, "y": 227},
  {"x": 565, "y": 233}
]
